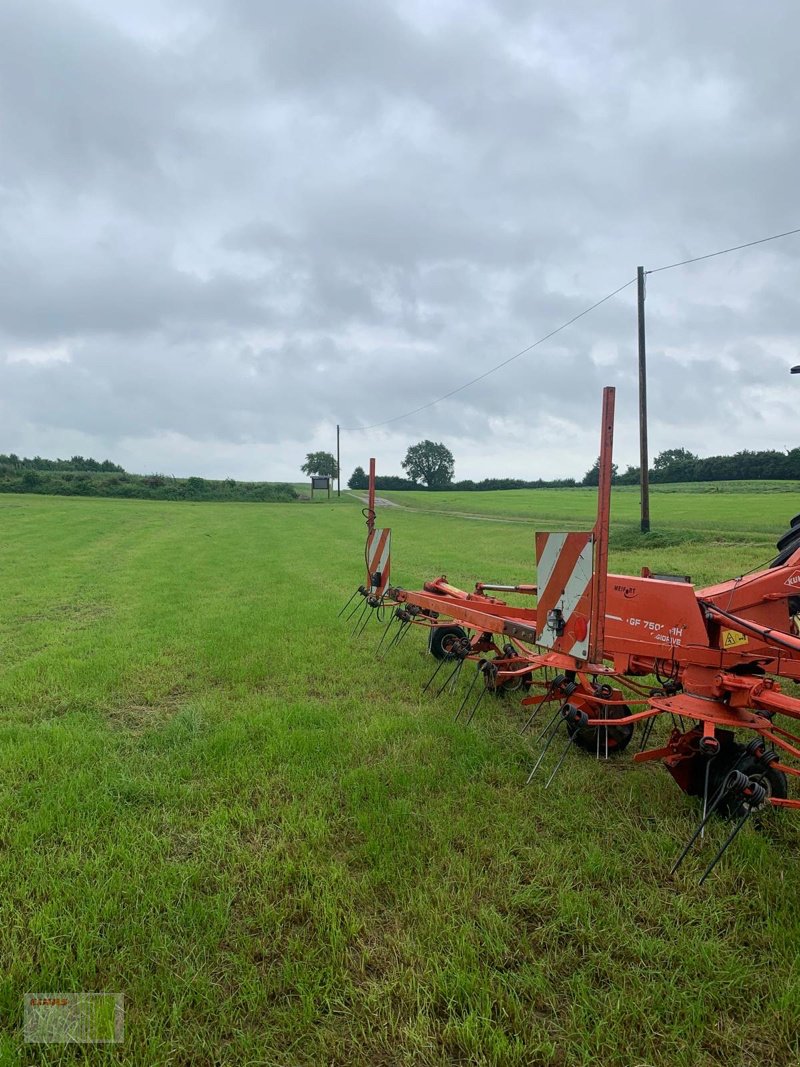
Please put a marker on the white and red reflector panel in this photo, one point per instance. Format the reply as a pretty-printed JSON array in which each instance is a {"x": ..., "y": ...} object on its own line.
[
  {"x": 379, "y": 560},
  {"x": 564, "y": 570}
]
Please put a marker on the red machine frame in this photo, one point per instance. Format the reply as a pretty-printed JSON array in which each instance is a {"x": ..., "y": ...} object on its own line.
[{"x": 717, "y": 654}]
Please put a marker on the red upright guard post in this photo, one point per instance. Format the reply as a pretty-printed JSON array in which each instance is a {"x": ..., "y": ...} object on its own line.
[
  {"x": 598, "y": 626},
  {"x": 371, "y": 504},
  {"x": 378, "y": 548}
]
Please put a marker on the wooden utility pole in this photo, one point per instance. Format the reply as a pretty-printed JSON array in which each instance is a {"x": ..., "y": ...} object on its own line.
[
  {"x": 644, "y": 461},
  {"x": 599, "y": 580},
  {"x": 338, "y": 465}
]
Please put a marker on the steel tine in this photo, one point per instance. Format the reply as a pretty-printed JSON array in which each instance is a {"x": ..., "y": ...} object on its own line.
[
  {"x": 457, "y": 676},
  {"x": 367, "y": 618},
  {"x": 530, "y": 720},
  {"x": 547, "y": 728},
  {"x": 354, "y": 610},
  {"x": 648, "y": 729},
  {"x": 728, "y": 841},
  {"x": 364, "y": 609},
  {"x": 347, "y": 605},
  {"x": 392, "y": 618},
  {"x": 557, "y": 767},
  {"x": 711, "y": 809},
  {"x": 406, "y": 627},
  {"x": 536, "y": 709},
  {"x": 706, "y": 782},
  {"x": 468, "y": 693},
  {"x": 476, "y": 705},
  {"x": 451, "y": 675},
  {"x": 438, "y": 668},
  {"x": 543, "y": 752},
  {"x": 398, "y": 637}
]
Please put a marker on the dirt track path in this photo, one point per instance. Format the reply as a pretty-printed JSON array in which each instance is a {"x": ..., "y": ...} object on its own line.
[{"x": 384, "y": 502}]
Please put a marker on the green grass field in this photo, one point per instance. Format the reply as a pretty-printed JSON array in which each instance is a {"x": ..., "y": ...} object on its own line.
[
  {"x": 727, "y": 507},
  {"x": 216, "y": 802}
]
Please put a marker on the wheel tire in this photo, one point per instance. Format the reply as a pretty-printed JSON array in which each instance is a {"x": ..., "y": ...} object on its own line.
[
  {"x": 770, "y": 777},
  {"x": 791, "y": 537},
  {"x": 782, "y": 557},
  {"x": 585, "y": 737},
  {"x": 795, "y": 521},
  {"x": 513, "y": 685},
  {"x": 441, "y": 637}
]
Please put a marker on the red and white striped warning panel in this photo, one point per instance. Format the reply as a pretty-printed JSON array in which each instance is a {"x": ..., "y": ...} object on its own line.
[
  {"x": 564, "y": 566},
  {"x": 379, "y": 560}
]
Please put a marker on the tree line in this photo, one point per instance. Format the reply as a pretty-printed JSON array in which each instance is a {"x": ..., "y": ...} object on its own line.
[
  {"x": 12, "y": 462},
  {"x": 680, "y": 465},
  {"x": 110, "y": 480},
  {"x": 430, "y": 465}
]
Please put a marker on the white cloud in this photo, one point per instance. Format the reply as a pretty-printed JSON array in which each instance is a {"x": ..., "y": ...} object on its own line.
[{"x": 228, "y": 225}]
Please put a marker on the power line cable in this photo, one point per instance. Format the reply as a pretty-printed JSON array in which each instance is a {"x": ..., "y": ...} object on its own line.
[
  {"x": 563, "y": 326},
  {"x": 724, "y": 251},
  {"x": 491, "y": 370}
]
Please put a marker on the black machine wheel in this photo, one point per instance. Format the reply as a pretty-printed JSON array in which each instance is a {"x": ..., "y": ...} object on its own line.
[
  {"x": 588, "y": 738},
  {"x": 442, "y": 638},
  {"x": 788, "y": 543},
  {"x": 791, "y": 537},
  {"x": 521, "y": 683},
  {"x": 790, "y": 550},
  {"x": 738, "y": 758}
]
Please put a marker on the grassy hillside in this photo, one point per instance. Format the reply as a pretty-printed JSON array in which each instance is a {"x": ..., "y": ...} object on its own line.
[
  {"x": 215, "y": 801},
  {"x": 726, "y": 507}
]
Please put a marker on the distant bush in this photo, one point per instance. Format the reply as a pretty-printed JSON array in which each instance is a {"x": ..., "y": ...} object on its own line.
[
  {"x": 468, "y": 485},
  {"x": 390, "y": 481},
  {"x": 492, "y": 484},
  {"x": 117, "y": 483}
]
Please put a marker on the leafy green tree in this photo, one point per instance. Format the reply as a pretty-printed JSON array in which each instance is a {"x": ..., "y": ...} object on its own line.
[
  {"x": 358, "y": 479},
  {"x": 630, "y": 476},
  {"x": 430, "y": 462},
  {"x": 322, "y": 463},
  {"x": 592, "y": 476},
  {"x": 670, "y": 456}
]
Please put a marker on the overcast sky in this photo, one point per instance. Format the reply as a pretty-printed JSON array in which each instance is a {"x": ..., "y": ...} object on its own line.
[{"x": 228, "y": 224}]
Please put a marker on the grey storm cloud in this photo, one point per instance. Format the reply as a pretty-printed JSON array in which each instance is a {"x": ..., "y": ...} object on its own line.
[{"x": 227, "y": 225}]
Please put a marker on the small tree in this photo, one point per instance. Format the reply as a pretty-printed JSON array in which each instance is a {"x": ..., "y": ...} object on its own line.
[
  {"x": 358, "y": 479},
  {"x": 592, "y": 476},
  {"x": 322, "y": 463},
  {"x": 430, "y": 462},
  {"x": 631, "y": 476}
]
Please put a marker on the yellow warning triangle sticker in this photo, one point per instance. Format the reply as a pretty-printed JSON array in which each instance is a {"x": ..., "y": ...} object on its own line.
[{"x": 732, "y": 638}]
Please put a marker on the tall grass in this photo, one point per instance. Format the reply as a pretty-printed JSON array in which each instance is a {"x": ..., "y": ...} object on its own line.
[{"x": 216, "y": 802}]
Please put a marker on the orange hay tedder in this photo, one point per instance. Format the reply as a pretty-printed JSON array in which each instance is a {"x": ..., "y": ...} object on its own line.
[{"x": 592, "y": 645}]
